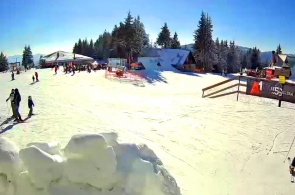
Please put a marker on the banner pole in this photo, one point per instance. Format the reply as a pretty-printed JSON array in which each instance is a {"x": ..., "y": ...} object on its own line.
[
  {"x": 239, "y": 88},
  {"x": 281, "y": 98}
]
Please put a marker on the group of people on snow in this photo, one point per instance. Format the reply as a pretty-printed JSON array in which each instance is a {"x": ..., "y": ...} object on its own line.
[
  {"x": 72, "y": 68},
  {"x": 15, "y": 99},
  {"x": 35, "y": 76}
]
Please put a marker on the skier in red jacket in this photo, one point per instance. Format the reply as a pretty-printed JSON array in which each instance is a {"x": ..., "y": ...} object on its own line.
[{"x": 36, "y": 75}]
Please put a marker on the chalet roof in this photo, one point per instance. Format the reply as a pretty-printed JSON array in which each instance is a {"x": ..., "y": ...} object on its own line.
[{"x": 62, "y": 56}]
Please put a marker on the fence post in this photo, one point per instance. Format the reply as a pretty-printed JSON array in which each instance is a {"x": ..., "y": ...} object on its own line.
[
  {"x": 281, "y": 98},
  {"x": 238, "y": 88}
]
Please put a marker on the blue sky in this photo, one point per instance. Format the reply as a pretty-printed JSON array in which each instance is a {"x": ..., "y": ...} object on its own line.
[{"x": 50, "y": 25}]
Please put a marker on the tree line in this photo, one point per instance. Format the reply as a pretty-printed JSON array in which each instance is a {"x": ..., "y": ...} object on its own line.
[
  {"x": 219, "y": 55},
  {"x": 127, "y": 39}
]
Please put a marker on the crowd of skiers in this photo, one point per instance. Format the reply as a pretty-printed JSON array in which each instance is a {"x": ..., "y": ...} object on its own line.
[
  {"x": 72, "y": 68},
  {"x": 15, "y": 99}
]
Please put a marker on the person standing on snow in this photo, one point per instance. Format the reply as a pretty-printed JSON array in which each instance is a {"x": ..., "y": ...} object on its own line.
[
  {"x": 12, "y": 75},
  {"x": 30, "y": 105},
  {"x": 55, "y": 69},
  {"x": 11, "y": 97},
  {"x": 73, "y": 68},
  {"x": 16, "y": 100},
  {"x": 33, "y": 78},
  {"x": 36, "y": 75}
]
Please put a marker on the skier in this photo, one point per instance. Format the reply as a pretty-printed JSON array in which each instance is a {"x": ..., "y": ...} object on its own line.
[
  {"x": 16, "y": 101},
  {"x": 33, "y": 78},
  {"x": 12, "y": 75},
  {"x": 55, "y": 69},
  {"x": 11, "y": 97},
  {"x": 292, "y": 168},
  {"x": 30, "y": 105},
  {"x": 73, "y": 69},
  {"x": 36, "y": 75}
]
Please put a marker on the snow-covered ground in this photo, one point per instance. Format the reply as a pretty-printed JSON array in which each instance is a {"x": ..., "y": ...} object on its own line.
[{"x": 210, "y": 146}]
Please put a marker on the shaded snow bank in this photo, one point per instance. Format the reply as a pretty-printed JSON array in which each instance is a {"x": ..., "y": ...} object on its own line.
[{"x": 89, "y": 164}]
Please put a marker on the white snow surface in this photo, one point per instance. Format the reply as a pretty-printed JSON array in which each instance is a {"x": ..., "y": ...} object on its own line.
[
  {"x": 87, "y": 165},
  {"x": 210, "y": 146}
]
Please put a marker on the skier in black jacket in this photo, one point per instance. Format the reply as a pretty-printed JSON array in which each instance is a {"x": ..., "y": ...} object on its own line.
[{"x": 16, "y": 101}]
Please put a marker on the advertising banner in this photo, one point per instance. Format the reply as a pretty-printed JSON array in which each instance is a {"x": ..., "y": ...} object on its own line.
[{"x": 271, "y": 89}]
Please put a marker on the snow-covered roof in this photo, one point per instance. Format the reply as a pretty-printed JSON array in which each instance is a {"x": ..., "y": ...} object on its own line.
[
  {"x": 173, "y": 56},
  {"x": 62, "y": 56},
  {"x": 283, "y": 57}
]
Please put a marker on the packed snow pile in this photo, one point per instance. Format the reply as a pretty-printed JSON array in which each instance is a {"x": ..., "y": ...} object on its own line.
[{"x": 89, "y": 164}]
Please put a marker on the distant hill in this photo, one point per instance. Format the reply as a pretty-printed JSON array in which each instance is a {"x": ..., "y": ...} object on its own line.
[{"x": 20, "y": 57}]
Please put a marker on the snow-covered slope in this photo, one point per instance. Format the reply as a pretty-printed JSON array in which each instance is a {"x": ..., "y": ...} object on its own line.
[{"x": 211, "y": 146}]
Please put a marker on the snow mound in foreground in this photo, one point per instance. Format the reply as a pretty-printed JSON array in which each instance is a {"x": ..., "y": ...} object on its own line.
[{"x": 89, "y": 164}]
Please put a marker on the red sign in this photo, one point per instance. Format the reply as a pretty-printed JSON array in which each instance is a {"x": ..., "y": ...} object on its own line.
[{"x": 255, "y": 89}]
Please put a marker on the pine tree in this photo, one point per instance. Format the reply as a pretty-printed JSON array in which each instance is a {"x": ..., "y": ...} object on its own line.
[
  {"x": 75, "y": 48},
  {"x": 106, "y": 44},
  {"x": 3, "y": 62},
  {"x": 204, "y": 44},
  {"x": 129, "y": 35},
  {"x": 98, "y": 53},
  {"x": 209, "y": 45},
  {"x": 244, "y": 61},
  {"x": 234, "y": 64},
  {"x": 223, "y": 55},
  {"x": 146, "y": 39},
  {"x": 138, "y": 41},
  {"x": 175, "y": 44},
  {"x": 255, "y": 58},
  {"x": 85, "y": 47},
  {"x": 91, "y": 48},
  {"x": 218, "y": 54},
  {"x": 30, "y": 57},
  {"x": 118, "y": 41},
  {"x": 279, "y": 49},
  {"x": 164, "y": 37},
  {"x": 27, "y": 59},
  {"x": 199, "y": 38},
  {"x": 79, "y": 47}
]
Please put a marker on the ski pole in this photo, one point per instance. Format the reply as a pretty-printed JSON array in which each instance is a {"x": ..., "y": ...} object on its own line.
[{"x": 289, "y": 149}]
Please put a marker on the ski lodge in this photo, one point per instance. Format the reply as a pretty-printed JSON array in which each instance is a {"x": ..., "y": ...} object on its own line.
[
  {"x": 180, "y": 59},
  {"x": 63, "y": 58}
]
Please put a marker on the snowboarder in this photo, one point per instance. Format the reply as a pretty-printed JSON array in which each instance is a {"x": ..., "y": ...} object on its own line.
[
  {"x": 30, "y": 105},
  {"x": 11, "y": 97},
  {"x": 12, "y": 75},
  {"x": 36, "y": 75},
  {"x": 33, "y": 78},
  {"x": 16, "y": 101}
]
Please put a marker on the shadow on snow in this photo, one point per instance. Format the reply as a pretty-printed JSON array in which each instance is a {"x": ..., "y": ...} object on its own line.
[{"x": 10, "y": 126}]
